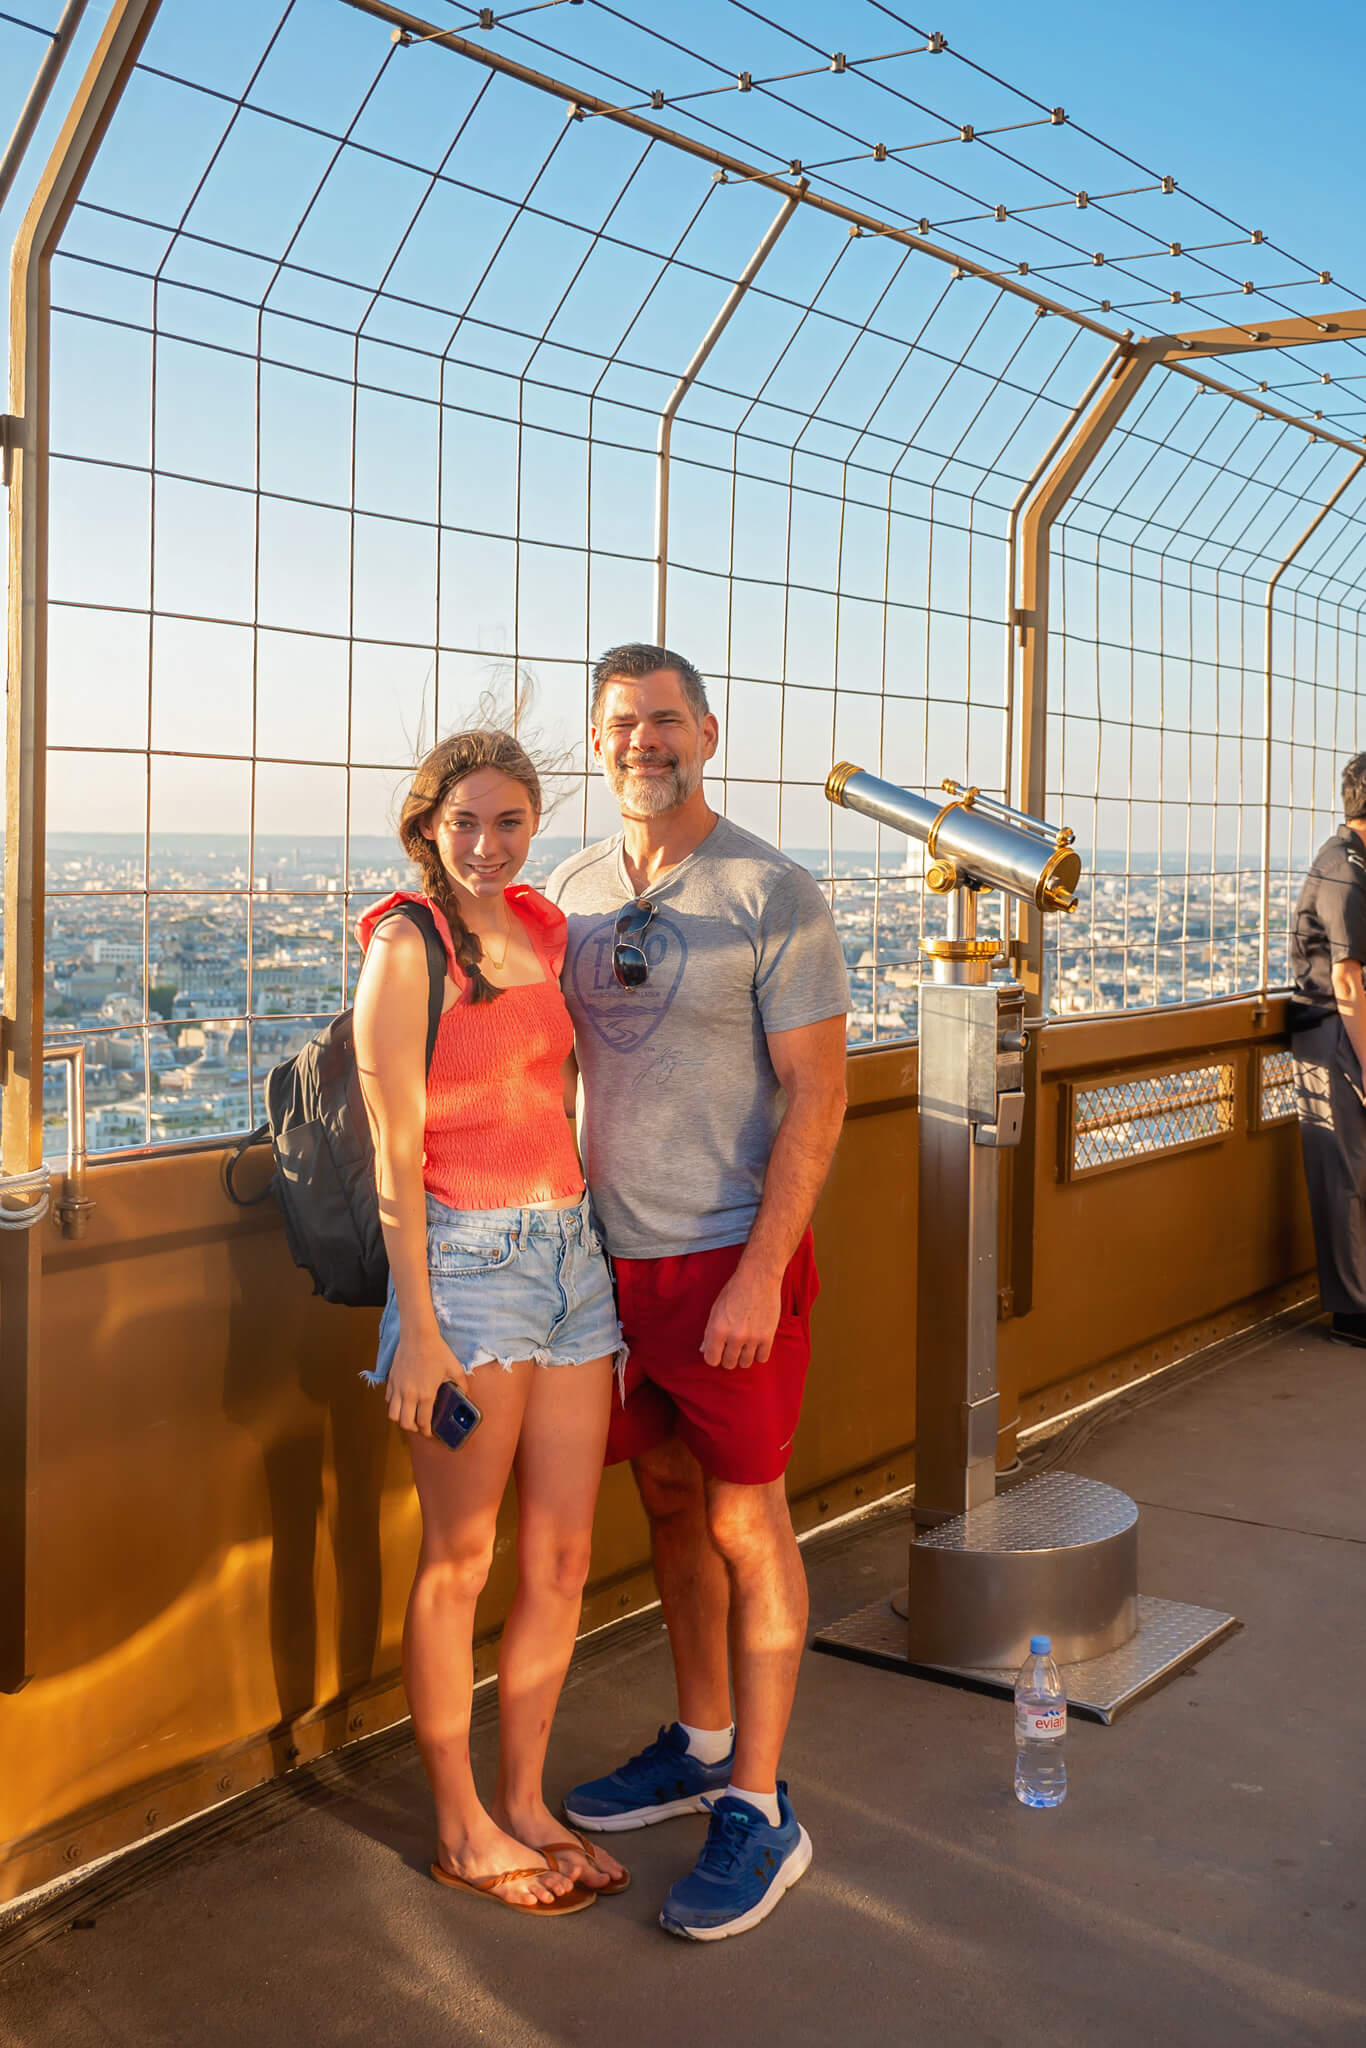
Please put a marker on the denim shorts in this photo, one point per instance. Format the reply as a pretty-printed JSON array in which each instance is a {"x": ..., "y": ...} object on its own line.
[{"x": 509, "y": 1284}]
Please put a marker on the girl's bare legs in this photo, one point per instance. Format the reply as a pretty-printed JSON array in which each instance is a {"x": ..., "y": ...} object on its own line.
[
  {"x": 558, "y": 1467},
  {"x": 460, "y": 1492}
]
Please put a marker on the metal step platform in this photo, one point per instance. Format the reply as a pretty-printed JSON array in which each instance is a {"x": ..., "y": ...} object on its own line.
[{"x": 1056, "y": 1556}]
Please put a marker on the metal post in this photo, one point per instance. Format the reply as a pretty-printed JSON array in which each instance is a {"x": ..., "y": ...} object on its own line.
[
  {"x": 44, "y": 79},
  {"x": 680, "y": 392},
  {"x": 1039, "y": 470},
  {"x": 970, "y": 1095},
  {"x": 74, "y": 1205},
  {"x": 1264, "y": 946},
  {"x": 1031, "y": 617},
  {"x": 956, "y": 1400},
  {"x": 22, "y": 1093}
]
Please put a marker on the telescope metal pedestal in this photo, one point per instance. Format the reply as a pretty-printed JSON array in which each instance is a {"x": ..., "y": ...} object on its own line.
[{"x": 1058, "y": 1555}]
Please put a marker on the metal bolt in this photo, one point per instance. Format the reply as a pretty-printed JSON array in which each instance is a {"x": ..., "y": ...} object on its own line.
[
  {"x": 225, "y": 1782},
  {"x": 356, "y": 1723},
  {"x": 152, "y": 1816},
  {"x": 72, "y": 1853}
]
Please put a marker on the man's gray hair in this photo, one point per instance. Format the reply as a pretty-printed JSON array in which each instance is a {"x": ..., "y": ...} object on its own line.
[
  {"x": 628, "y": 663},
  {"x": 1354, "y": 787}
]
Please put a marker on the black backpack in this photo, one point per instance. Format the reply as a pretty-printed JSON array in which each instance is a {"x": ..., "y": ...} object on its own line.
[{"x": 324, "y": 1179}]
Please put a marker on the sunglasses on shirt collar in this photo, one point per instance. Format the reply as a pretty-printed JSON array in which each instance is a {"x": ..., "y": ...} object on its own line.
[{"x": 629, "y": 964}]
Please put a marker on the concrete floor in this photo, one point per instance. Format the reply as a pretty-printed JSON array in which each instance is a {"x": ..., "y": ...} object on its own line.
[{"x": 1204, "y": 1882}]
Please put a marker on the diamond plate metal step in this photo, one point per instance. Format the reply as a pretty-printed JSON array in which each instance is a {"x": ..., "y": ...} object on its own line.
[{"x": 1170, "y": 1637}]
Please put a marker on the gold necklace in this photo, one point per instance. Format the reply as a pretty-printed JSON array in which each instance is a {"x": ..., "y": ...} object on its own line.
[{"x": 497, "y": 965}]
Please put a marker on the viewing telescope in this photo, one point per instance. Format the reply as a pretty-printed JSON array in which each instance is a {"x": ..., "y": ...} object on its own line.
[
  {"x": 964, "y": 1610},
  {"x": 974, "y": 841}
]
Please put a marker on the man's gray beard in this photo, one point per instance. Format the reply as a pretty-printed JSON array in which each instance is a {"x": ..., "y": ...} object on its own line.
[{"x": 651, "y": 796}]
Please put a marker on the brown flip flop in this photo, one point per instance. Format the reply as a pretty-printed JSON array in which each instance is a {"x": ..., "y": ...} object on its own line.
[
  {"x": 485, "y": 1887},
  {"x": 578, "y": 1847}
]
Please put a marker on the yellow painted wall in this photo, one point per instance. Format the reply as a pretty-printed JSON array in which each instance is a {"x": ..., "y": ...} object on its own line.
[{"x": 224, "y": 1527}]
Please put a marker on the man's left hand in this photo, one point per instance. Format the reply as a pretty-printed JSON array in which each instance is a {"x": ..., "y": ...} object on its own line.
[{"x": 743, "y": 1319}]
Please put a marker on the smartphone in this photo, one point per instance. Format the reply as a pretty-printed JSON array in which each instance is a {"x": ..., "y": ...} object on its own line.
[{"x": 454, "y": 1416}]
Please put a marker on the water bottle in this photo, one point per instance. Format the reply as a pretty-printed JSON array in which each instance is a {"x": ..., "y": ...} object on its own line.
[{"x": 1040, "y": 1728}]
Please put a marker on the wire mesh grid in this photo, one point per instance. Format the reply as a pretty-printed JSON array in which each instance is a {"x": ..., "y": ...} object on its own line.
[
  {"x": 359, "y": 355},
  {"x": 1275, "y": 1085},
  {"x": 1145, "y": 1114},
  {"x": 1158, "y": 695}
]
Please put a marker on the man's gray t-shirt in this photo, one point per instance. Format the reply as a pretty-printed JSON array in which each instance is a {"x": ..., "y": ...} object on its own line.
[{"x": 679, "y": 1104}]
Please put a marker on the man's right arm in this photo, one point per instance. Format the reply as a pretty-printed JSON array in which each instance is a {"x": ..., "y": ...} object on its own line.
[{"x": 1351, "y": 1001}]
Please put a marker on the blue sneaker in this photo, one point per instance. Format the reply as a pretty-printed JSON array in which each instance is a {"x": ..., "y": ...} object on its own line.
[
  {"x": 743, "y": 1871},
  {"x": 663, "y": 1781}
]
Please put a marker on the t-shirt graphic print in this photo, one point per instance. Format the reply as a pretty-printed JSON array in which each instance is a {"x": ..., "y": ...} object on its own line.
[
  {"x": 626, "y": 1019},
  {"x": 678, "y": 1100}
]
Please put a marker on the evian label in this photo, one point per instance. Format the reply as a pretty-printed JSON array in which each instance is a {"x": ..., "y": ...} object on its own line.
[{"x": 1041, "y": 1724}]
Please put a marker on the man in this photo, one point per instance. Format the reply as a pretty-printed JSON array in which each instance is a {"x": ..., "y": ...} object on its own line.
[
  {"x": 708, "y": 991},
  {"x": 1328, "y": 1019}
]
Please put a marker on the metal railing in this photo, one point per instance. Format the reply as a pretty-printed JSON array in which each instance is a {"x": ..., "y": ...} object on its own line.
[{"x": 910, "y": 488}]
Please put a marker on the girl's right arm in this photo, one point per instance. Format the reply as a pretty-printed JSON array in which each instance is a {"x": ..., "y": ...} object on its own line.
[{"x": 391, "y": 1040}]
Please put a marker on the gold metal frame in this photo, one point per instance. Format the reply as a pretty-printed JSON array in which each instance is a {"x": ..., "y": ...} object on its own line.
[
  {"x": 1127, "y": 370},
  {"x": 21, "y": 1141},
  {"x": 1029, "y": 619}
]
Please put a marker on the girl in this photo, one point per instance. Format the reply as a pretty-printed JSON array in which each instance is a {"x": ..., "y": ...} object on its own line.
[{"x": 498, "y": 1283}]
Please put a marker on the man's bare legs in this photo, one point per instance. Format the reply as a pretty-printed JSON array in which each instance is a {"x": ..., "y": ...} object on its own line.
[
  {"x": 752, "y": 1530},
  {"x": 730, "y": 1579},
  {"x": 694, "y": 1590}
]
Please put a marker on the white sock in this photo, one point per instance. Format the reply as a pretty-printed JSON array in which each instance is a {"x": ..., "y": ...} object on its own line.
[
  {"x": 766, "y": 1802},
  {"x": 709, "y": 1745}
]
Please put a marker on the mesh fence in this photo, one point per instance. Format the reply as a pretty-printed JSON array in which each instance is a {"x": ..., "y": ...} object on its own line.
[
  {"x": 1149, "y": 1114},
  {"x": 360, "y": 351}
]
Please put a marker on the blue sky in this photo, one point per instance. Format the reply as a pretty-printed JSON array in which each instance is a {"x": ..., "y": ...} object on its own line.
[{"x": 1225, "y": 98}]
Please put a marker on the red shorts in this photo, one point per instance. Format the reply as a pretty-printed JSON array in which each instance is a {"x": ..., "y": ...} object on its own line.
[{"x": 738, "y": 1425}]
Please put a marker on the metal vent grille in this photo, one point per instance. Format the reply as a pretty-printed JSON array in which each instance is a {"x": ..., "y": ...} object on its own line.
[
  {"x": 1146, "y": 1114},
  {"x": 1275, "y": 1085}
]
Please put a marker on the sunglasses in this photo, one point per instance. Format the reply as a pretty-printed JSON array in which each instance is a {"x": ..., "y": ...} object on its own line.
[{"x": 629, "y": 964}]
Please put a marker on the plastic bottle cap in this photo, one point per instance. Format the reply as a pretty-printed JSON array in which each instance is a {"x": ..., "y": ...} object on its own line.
[{"x": 1040, "y": 1646}]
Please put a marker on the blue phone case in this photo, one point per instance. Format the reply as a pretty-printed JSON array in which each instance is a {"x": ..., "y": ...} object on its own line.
[{"x": 454, "y": 1416}]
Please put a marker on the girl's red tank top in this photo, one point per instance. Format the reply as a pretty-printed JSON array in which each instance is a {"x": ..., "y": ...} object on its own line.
[{"x": 496, "y": 1135}]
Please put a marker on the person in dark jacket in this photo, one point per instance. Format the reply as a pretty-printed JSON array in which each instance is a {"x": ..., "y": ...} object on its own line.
[{"x": 1328, "y": 1020}]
